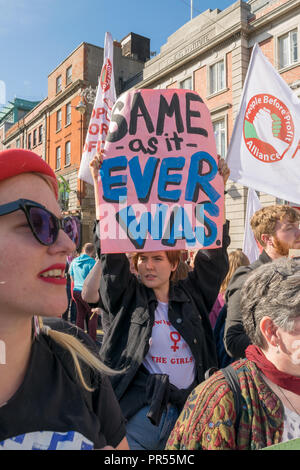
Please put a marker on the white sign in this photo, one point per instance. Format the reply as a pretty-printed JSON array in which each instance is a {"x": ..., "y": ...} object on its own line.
[
  {"x": 100, "y": 118},
  {"x": 250, "y": 247},
  {"x": 264, "y": 152}
]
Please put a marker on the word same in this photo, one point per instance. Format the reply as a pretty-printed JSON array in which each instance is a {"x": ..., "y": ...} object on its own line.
[{"x": 139, "y": 113}]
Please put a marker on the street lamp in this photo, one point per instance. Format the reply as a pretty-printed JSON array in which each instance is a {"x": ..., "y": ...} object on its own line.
[{"x": 81, "y": 107}]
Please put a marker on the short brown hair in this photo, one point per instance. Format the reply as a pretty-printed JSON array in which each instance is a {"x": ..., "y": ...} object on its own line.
[
  {"x": 265, "y": 219},
  {"x": 88, "y": 249},
  {"x": 174, "y": 257}
]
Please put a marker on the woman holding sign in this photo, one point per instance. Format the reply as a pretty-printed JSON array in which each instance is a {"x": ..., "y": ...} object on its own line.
[
  {"x": 159, "y": 331},
  {"x": 53, "y": 391},
  {"x": 266, "y": 410}
]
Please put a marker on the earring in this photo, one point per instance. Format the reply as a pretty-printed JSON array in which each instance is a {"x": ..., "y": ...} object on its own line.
[{"x": 278, "y": 349}]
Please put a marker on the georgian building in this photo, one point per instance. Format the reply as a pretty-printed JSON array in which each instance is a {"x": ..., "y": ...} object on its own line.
[{"x": 210, "y": 54}]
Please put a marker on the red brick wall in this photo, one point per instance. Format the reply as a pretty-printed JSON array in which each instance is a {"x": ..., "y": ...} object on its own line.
[{"x": 77, "y": 62}]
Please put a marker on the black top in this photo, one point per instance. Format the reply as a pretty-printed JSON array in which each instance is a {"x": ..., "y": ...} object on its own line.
[
  {"x": 131, "y": 306},
  {"x": 236, "y": 340},
  {"x": 52, "y": 410}
]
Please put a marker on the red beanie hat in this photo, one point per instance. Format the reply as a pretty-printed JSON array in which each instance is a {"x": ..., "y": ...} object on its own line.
[{"x": 14, "y": 162}]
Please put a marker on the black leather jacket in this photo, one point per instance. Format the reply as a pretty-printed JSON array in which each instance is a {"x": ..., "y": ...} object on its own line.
[{"x": 131, "y": 306}]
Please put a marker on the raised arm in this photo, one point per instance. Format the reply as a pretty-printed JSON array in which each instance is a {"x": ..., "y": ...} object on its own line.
[
  {"x": 211, "y": 266},
  {"x": 113, "y": 270}
]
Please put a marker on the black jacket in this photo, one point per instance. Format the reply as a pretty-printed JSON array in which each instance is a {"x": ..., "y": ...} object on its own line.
[
  {"x": 235, "y": 339},
  {"x": 131, "y": 306}
]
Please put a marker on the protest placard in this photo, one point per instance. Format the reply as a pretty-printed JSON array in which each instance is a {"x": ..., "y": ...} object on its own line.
[{"x": 159, "y": 186}]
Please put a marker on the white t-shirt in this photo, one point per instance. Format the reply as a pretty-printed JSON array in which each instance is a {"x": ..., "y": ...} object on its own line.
[{"x": 169, "y": 353}]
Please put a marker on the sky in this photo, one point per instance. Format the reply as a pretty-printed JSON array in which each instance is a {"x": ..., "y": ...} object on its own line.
[{"x": 36, "y": 35}]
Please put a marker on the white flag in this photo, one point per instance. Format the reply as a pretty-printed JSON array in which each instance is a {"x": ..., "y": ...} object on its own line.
[
  {"x": 250, "y": 247},
  {"x": 100, "y": 118},
  {"x": 264, "y": 152}
]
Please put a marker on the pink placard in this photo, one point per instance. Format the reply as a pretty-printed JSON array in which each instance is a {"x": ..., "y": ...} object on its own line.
[{"x": 159, "y": 186}]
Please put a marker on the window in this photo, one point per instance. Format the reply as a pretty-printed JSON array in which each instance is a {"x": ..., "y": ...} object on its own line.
[
  {"x": 68, "y": 153},
  {"x": 217, "y": 77},
  {"x": 34, "y": 137},
  {"x": 58, "y": 84},
  {"x": 68, "y": 114},
  {"x": 29, "y": 141},
  {"x": 58, "y": 158},
  {"x": 58, "y": 120},
  {"x": 186, "y": 84},
  {"x": 288, "y": 49},
  {"x": 40, "y": 134},
  {"x": 69, "y": 75},
  {"x": 220, "y": 136}
]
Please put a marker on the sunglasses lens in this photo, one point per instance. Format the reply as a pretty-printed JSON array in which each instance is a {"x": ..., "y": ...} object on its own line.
[
  {"x": 44, "y": 225},
  {"x": 71, "y": 227}
]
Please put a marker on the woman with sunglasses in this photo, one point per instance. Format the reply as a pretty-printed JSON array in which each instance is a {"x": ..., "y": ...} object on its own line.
[
  {"x": 159, "y": 330},
  {"x": 266, "y": 410},
  {"x": 53, "y": 391}
]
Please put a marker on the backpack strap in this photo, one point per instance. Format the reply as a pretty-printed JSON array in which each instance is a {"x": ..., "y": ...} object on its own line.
[{"x": 232, "y": 379}]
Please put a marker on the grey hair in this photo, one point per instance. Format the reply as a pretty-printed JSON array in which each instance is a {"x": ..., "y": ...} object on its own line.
[{"x": 272, "y": 290}]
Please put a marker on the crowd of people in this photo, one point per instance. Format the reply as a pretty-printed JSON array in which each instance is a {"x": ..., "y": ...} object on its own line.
[{"x": 157, "y": 381}]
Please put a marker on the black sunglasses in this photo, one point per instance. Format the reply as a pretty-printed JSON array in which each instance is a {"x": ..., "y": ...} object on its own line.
[{"x": 44, "y": 225}]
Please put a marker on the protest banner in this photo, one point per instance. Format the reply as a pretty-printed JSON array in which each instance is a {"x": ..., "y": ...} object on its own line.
[
  {"x": 250, "y": 246},
  {"x": 100, "y": 118},
  {"x": 159, "y": 186},
  {"x": 264, "y": 151}
]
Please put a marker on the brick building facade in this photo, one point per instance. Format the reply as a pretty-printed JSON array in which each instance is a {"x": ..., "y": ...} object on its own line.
[{"x": 56, "y": 130}]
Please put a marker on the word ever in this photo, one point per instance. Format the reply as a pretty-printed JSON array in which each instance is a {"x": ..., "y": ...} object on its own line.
[
  {"x": 168, "y": 223},
  {"x": 201, "y": 172}
]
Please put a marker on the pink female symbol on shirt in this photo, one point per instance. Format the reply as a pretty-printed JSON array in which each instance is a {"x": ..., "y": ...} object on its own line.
[{"x": 173, "y": 335}]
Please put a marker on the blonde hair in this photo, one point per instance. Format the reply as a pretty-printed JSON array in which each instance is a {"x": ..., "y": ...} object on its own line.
[
  {"x": 236, "y": 259},
  {"x": 78, "y": 352}
]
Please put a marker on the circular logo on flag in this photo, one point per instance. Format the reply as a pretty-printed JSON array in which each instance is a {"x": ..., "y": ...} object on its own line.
[
  {"x": 106, "y": 75},
  {"x": 268, "y": 128}
]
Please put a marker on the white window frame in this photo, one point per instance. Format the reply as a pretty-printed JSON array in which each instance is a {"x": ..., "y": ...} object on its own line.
[
  {"x": 181, "y": 82},
  {"x": 40, "y": 134},
  {"x": 217, "y": 138},
  {"x": 58, "y": 120},
  {"x": 58, "y": 158},
  {"x": 69, "y": 75},
  {"x": 58, "y": 84},
  {"x": 34, "y": 138},
  {"x": 68, "y": 113},
  {"x": 219, "y": 86},
  {"x": 290, "y": 60},
  {"x": 68, "y": 144}
]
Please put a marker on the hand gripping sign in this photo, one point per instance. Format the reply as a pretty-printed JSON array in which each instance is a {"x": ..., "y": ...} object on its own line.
[{"x": 159, "y": 186}]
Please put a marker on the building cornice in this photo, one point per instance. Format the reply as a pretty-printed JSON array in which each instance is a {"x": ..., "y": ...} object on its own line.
[
  {"x": 274, "y": 14},
  {"x": 190, "y": 52}
]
